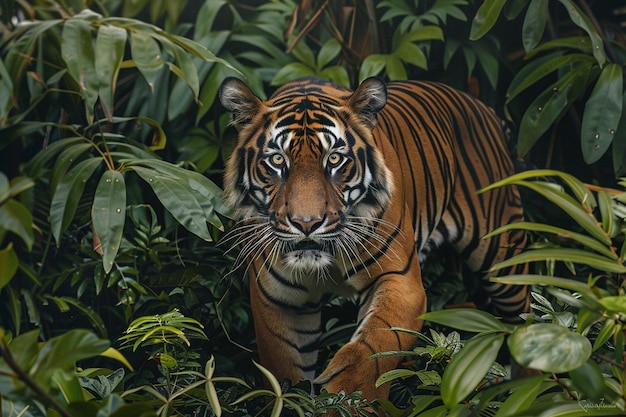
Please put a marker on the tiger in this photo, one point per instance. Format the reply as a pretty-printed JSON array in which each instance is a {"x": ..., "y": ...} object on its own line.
[{"x": 345, "y": 193}]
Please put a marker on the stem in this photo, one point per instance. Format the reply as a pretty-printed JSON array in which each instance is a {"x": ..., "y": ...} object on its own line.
[{"x": 30, "y": 383}]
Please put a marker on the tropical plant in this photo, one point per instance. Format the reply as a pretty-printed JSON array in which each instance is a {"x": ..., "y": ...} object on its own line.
[
  {"x": 577, "y": 342},
  {"x": 565, "y": 68}
]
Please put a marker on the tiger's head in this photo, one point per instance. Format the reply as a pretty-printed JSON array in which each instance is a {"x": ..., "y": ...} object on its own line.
[{"x": 306, "y": 177}]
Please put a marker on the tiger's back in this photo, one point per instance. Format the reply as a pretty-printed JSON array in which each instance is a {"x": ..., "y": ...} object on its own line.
[
  {"x": 343, "y": 192},
  {"x": 449, "y": 146}
]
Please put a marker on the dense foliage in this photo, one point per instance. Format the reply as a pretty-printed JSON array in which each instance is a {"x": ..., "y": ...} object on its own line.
[{"x": 117, "y": 300}]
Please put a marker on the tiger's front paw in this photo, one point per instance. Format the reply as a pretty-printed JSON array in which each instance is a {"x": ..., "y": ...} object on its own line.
[{"x": 352, "y": 370}]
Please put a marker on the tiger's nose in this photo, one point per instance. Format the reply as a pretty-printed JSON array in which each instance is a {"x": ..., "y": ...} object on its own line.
[{"x": 306, "y": 225}]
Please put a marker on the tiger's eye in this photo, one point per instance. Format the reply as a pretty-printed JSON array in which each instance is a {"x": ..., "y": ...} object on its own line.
[
  {"x": 334, "y": 158},
  {"x": 278, "y": 159}
]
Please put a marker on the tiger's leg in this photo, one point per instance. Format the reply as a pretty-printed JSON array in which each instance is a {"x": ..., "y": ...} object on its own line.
[
  {"x": 287, "y": 329},
  {"x": 393, "y": 299}
]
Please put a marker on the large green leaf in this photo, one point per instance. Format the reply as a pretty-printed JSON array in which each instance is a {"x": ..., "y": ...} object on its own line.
[
  {"x": 534, "y": 23},
  {"x": 108, "y": 214},
  {"x": 577, "y": 256},
  {"x": 524, "y": 394},
  {"x": 65, "y": 159},
  {"x": 37, "y": 164},
  {"x": 23, "y": 349},
  {"x": 60, "y": 354},
  {"x": 177, "y": 199},
  {"x": 581, "y": 20},
  {"x": 78, "y": 53},
  {"x": 485, "y": 18},
  {"x": 67, "y": 194},
  {"x": 8, "y": 264},
  {"x": 550, "y": 106},
  {"x": 469, "y": 320},
  {"x": 619, "y": 145},
  {"x": 585, "y": 240},
  {"x": 16, "y": 218},
  {"x": 540, "y": 68},
  {"x": 469, "y": 366},
  {"x": 549, "y": 347},
  {"x": 110, "y": 44},
  {"x": 196, "y": 183},
  {"x": 602, "y": 114},
  {"x": 564, "y": 202},
  {"x": 146, "y": 55}
]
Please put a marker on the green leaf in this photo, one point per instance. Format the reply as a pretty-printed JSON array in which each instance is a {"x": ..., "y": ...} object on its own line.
[
  {"x": 372, "y": 65},
  {"x": 534, "y": 23},
  {"x": 60, "y": 354},
  {"x": 78, "y": 53},
  {"x": 467, "y": 319},
  {"x": 485, "y": 18},
  {"x": 548, "y": 347},
  {"x": 291, "y": 72},
  {"x": 8, "y": 264},
  {"x": 66, "y": 196},
  {"x": 65, "y": 159},
  {"x": 110, "y": 43},
  {"x": 567, "y": 204},
  {"x": 43, "y": 157},
  {"x": 177, "y": 200},
  {"x": 469, "y": 366},
  {"x": 16, "y": 218},
  {"x": 328, "y": 52},
  {"x": 619, "y": 145},
  {"x": 108, "y": 214},
  {"x": 589, "y": 380},
  {"x": 550, "y": 106},
  {"x": 614, "y": 304},
  {"x": 186, "y": 69},
  {"x": 577, "y": 256},
  {"x": 395, "y": 68},
  {"x": 196, "y": 183},
  {"x": 146, "y": 55},
  {"x": 561, "y": 233},
  {"x": 602, "y": 114},
  {"x": 412, "y": 54},
  {"x": 581, "y": 20},
  {"x": 540, "y": 68},
  {"x": 524, "y": 394}
]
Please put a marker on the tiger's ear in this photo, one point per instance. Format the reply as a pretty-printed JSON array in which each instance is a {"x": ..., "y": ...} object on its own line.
[
  {"x": 237, "y": 98},
  {"x": 368, "y": 99}
]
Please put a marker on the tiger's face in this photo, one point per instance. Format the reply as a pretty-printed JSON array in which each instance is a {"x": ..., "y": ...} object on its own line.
[{"x": 306, "y": 178}]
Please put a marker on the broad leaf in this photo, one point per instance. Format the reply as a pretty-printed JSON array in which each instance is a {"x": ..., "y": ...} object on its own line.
[
  {"x": 78, "y": 53},
  {"x": 469, "y": 320},
  {"x": 549, "y": 347},
  {"x": 66, "y": 196},
  {"x": 177, "y": 200},
  {"x": 65, "y": 159},
  {"x": 485, "y": 18},
  {"x": 534, "y": 23},
  {"x": 108, "y": 214},
  {"x": 468, "y": 367},
  {"x": 581, "y": 20},
  {"x": 550, "y": 106},
  {"x": 577, "y": 256},
  {"x": 60, "y": 354},
  {"x": 16, "y": 218},
  {"x": 110, "y": 44},
  {"x": 146, "y": 55},
  {"x": 603, "y": 111},
  {"x": 8, "y": 264}
]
